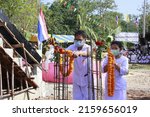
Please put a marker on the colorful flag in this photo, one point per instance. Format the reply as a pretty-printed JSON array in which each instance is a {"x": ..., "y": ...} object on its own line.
[
  {"x": 42, "y": 30},
  {"x": 117, "y": 20},
  {"x": 136, "y": 22}
]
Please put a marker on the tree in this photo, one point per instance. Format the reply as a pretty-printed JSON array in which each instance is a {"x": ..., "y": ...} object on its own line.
[
  {"x": 86, "y": 9},
  {"x": 23, "y": 13},
  {"x": 131, "y": 25},
  {"x": 93, "y": 15},
  {"x": 147, "y": 18},
  {"x": 59, "y": 19},
  {"x": 104, "y": 6}
]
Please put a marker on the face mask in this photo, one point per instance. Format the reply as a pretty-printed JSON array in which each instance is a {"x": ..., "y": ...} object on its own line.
[
  {"x": 79, "y": 43},
  {"x": 115, "y": 52}
]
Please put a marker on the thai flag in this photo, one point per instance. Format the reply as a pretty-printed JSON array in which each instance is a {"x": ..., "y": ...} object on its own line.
[{"x": 42, "y": 30}]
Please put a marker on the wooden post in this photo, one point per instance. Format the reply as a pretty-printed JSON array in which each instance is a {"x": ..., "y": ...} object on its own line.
[
  {"x": 27, "y": 71},
  {"x": 21, "y": 82},
  {"x": 28, "y": 97},
  {"x": 8, "y": 85},
  {"x": 12, "y": 81},
  {"x": 1, "y": 87}
]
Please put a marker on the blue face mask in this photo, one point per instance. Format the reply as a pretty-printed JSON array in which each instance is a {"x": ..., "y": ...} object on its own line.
[
  {"x": 79, "y": 43},
  {"x": 115, "y": 52}
]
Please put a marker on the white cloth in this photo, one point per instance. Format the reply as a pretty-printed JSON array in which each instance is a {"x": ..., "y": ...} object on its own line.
[
  {"x": 120, "y": 81},
  {"x": 49, "y": 56},
  {"x": 81, "y": 64},
  {"x": 81, "y": 74},
  {"x": 1, "y": 42},
  {"x": 118, "y": 95},
  {"x": 81, "y": 92}
]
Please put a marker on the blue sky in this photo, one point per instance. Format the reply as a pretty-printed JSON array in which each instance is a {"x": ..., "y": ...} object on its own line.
[
  {"x": 124, "y": 6},
  {"x": 129, "y": 6}
]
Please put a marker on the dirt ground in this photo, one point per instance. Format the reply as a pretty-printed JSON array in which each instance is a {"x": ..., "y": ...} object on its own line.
[{"x": 138, "y": 82}]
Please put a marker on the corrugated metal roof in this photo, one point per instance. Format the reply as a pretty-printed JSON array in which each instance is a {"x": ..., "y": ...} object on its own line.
[
  {"x": 63, "y": 38},
  {"x": 59, "y": 38}
]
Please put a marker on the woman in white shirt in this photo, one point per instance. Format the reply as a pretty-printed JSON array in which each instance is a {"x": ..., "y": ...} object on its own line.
[{"x": 121, "y": 69}]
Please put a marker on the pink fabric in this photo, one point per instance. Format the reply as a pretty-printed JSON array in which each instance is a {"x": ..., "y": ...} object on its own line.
[{"x": 48, "y": 76}]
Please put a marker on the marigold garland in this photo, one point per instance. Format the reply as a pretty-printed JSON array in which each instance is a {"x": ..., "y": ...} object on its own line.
[
  {"x": 111, "y": 75},
  {"x": 71, "y": 61},
  {"x": 63, "y": 51}
]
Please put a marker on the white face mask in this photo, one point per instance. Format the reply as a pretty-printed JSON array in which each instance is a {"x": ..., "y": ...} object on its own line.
[{"x": 79, "y": 43}]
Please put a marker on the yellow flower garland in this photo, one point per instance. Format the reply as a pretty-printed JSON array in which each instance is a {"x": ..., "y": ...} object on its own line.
[
  {"x": 63, "y": 51},
  {"x": 111, "y": 75},
  {"x": 71, "y": 61}
]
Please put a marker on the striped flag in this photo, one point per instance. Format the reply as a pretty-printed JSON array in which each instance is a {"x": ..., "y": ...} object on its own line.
[
  {"x": 42, "y": 29},
  {"x": 136, "y": 22}
]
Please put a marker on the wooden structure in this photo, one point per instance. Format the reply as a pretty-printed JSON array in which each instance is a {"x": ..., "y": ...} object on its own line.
[
  {"x": 13, "y": 79},
  {"x": 12, "y": 36}
]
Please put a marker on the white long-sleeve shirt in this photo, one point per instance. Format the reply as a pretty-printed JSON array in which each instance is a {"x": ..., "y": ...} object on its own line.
[
  {"x": 120, "y": 81},
  {"x": 81, "y": 71}
]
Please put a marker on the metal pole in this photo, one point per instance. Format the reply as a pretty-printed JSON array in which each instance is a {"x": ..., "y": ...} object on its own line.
[{"x": 144, "y": 17}]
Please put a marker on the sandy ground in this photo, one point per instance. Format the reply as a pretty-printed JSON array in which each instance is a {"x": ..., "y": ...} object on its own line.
[
  {"x": 138, "y": 85},
  {"x": 138, "y": 82}
]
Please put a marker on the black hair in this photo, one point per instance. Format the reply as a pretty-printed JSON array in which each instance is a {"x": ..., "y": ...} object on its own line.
[
  {"x": 81, "y": 32},
  {"x": 120, "y": 45}
]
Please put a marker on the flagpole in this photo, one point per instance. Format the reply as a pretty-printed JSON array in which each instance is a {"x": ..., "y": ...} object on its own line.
[
  {"x": 127, "y": 26},
  {"x": 127, "y": 21},
  {"x": 39, "y": 7},
  {"x": 137, "y": 25},
  {"x": 137, "y": 29},
  {"x": 144, "y": 18},
  {"x": 39, "y": 4}
]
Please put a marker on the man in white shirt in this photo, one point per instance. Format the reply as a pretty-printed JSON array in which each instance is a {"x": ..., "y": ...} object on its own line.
[{"x": 82, "y": 89}]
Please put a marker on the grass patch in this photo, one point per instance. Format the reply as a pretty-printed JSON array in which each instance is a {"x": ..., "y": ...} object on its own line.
[{"x": 139, "y": 66}]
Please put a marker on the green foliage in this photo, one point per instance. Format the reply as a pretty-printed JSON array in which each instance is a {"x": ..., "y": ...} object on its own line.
[
  {"x": 60, "y": 20},
  {"x": 147, "y": 18},
  {"x": 130, "y": 26},
  {"x": 96, "y": 17},
  {"x": 85, "y": 21},
  {"x": 109, "y": 24},
  {"x": 92, "y": 18},
  {"x": 102, "y": 6},
  {"x": 23, "y": 13}
]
